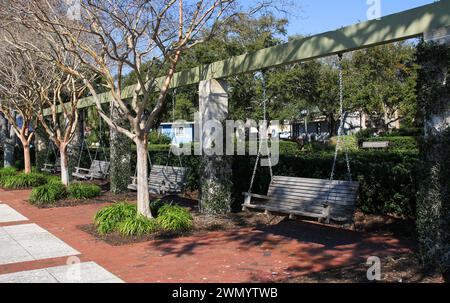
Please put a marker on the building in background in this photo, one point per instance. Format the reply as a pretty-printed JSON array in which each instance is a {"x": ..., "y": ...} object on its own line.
[{"x": 182, "y": 134}]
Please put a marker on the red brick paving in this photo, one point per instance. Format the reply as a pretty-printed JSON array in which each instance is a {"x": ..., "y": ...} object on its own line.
[{"x": 247, "y": 255}]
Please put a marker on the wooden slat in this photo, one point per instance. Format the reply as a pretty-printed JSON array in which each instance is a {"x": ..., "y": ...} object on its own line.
[
  {"x": 320, "y": 203},
  {"x": 310, "y": 196},
  {"x": 317, "y": 201},
  {"x": 309, "y": 192},
  {"x": 315, "y": 185},
  {"x": 337, "y": 187},
  {"x": 347, "y": 213},
  {"x": 314, "y": 181},
  {"x": 337, "y": 204},
  {"x": 376, "y": 144},
  {"x": 280, "y": 210}
]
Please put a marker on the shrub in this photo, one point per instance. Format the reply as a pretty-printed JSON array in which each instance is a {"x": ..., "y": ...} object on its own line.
[
  {"x": 388, "y": 179},
  {"x": 53, "y": 179},
  {"x": 83, "y": 190},
  {"x": 109, "y": 218},
  {"x": 174, "y": 218},
  {"x": 289, "y": 148},
  {"x": 365, "y": 134},
  {"x": 398, "y": 143},
  {"x": 23, "y": 180},
  {"x": 48, "y": 193},
  {"x": 156, "y": 137},
  {"x": 6, "y": 172},
  {"x": 349, "y": 142},
  {"x": 155, "y": 206},
  {"x": 406, "y": 131},
  {"x": 137, "y": 225}
]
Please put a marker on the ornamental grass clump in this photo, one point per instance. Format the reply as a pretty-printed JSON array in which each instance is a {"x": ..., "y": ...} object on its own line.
[
  {"x": 108, "y": 219},
  {"x": 48, "y": 194},
  {"x": 81, "y": 191},
  {"x": 124, "y": 219},
  {"x": 23, "y": 180},
  {"x": 175, "y": 218}
]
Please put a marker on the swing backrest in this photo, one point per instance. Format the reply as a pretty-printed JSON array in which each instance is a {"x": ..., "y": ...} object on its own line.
[
  {"x": 167, "y": 179},
  {"x": 310, "y": 195},
  {"x": 99, "y": 169}
]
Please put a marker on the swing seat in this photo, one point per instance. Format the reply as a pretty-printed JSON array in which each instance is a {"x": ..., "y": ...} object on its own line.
[
  {"x": 98, "y": 170},
  {"x": 52, "y": 168},
  {"x": 164, "y": 180},
  {"x": 375, "y": 145},
  {"x": 310, "y": 198}
]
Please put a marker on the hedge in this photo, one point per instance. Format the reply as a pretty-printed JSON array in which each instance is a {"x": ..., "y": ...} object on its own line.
[
  {"x": 398, "y": 143},
  {"x": 388, "y": 179},
  {"x": 388, "y": 183}
]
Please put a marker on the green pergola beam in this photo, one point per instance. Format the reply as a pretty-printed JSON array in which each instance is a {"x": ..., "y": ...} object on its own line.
[{"x": 401, "y": 26}]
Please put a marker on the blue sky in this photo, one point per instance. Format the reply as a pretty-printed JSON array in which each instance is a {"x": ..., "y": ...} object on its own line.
[{"x": 317, "y": 16}]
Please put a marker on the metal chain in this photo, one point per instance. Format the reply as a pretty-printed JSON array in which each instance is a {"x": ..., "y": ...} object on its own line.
[
  {"x": 266, "y": 124},
  {"x": 258, "y": 157},
  {"x": 174, "y": 136},
  {"x": 347, "y": 159},
  {"x": 341, "y": 127}
]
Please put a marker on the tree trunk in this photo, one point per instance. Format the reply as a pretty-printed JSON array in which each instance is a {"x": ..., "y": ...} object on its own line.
[
  {"x": 7, "y": 136},
  {"x": 8, "y": 153},
  {"x": 143, "y": 197},
  {"x": 332, "y": 122},
  {"x": 120, "y": 156},
  {"x": 74, "y": 147},
  {"x": 65, "y": 173},
  {"x": 27, "y": 157},
  {"x": 363, "y": 120},
  {"x": 42, "y": 144}
]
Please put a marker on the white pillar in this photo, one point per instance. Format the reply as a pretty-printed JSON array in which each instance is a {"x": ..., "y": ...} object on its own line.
[
  {"x": 433, "y": 205},
  {"x": 216, "y": 167},
  {"x": 440, "y": 120}
]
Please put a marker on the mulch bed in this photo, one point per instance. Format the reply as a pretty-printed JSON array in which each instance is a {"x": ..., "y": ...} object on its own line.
[
  {"x": 105, "y": 197},
  {"x": 382, "y": 225},
  {"x": 202, "y": 224},
  {"x": 404, "y": 268}
]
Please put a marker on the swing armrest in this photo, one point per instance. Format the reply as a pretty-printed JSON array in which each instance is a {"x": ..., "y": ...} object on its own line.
[
  {"x": 256, "y": 196},
  {"x": 82, "y": 169}
]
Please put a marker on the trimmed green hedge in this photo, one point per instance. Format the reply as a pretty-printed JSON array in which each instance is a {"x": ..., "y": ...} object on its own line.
[
  {"x": 388, "y": 182},
  {"x": 388, "y": 179}
]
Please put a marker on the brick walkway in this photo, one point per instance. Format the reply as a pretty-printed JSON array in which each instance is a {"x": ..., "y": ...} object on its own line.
[{"x": 247, "y": 255}]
